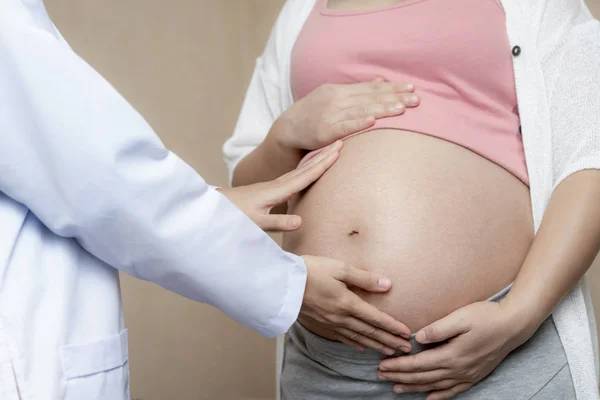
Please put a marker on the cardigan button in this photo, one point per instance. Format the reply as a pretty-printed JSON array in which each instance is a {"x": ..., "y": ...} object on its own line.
[{"x": 516, "y": 51}]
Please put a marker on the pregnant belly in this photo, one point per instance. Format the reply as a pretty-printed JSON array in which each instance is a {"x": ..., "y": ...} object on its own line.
[{"x": 446, "y": 225}]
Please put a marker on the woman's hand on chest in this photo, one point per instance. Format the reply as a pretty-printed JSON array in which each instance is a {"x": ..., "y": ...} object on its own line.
[{"x": 333, "y": 112}]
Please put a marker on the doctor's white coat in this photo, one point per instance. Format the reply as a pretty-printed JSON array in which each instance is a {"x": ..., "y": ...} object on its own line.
[{"x": 87, "y": 189}]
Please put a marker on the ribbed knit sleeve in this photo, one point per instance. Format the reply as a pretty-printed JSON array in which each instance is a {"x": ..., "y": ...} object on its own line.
[
  {"x": 571, "y": 65},
  {"x": 265, "y": 99}
]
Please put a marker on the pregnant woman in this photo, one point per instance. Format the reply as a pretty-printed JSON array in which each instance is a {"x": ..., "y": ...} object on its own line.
[{"x": 486, "y": 232}]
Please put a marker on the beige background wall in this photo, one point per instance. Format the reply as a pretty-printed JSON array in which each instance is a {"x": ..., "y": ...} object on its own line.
[{"x": 184, "y": 64}]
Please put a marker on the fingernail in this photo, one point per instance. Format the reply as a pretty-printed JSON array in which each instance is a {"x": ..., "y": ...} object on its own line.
[
  {"x": 383, "y": 368},
  {"x": 398, "y": 389},
  {"x": 412, "y": 99},
  {"x": 398, "y": 107},
  {"x": 384, "y": 283},
  {"x": 405, "y": 349},
  {"x": 410, "y": 86},
  {"x": 389, "y": 352},
  {"x": 381, "y": 378},
  {"x": 332, "y": 148},
  {"x": 295, "y": 221},
  {"x": 421, "y": 337},
  {"x": 370, "y": 119}
]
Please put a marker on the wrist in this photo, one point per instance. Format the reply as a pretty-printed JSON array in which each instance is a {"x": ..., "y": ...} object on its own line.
[
  {"x": 280, "y": 134},
  {"x": 278, "y": 145},
  {"x": 523, "y": 317}
]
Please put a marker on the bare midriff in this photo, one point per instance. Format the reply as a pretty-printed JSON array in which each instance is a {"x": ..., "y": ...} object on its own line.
[{"x": 446, "y": 225}]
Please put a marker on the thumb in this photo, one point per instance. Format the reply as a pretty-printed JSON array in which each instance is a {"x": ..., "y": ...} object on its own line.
[
  {"x": 443, "y": 329},
  {"x": 280, "y": 223},
  {"x": 365, "y": 280}
]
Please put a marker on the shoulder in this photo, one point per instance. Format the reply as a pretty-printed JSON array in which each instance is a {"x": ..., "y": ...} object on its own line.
[
  {"x": 291, "y": 19},
  {"x": 561, "y": 21},
  {"x": 284, "y": 33},
  {"x": 294, "y": 9}
]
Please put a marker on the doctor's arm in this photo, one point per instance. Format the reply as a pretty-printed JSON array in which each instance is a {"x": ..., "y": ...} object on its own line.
[{"x": 90, "y": 168}]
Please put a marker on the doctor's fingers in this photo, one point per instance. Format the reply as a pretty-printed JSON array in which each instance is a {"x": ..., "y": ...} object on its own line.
[
  {"x": 372, "y": 337},
  {"x": 362, "y": 279},
  {"x": 279, "y": 222},
  {"x": 284, "y": 187},
  {"x": 361, "y": 342},
  {"x": 372, "y": 316},
  {"x": 316, "y": 161},
  {"x": 339, "y": 337},
  {"x": 361, "y": 309}
]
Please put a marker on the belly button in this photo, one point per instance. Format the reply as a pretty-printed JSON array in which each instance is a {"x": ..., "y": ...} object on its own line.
[{"x": 353, "y": 233}]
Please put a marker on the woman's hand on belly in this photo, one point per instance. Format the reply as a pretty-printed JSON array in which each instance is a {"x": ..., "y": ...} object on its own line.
[
  {"x": 330, "y": 304},
  {"x": 479, "y": 337}
]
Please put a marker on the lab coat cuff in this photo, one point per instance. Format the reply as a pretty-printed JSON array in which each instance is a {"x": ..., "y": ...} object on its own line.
[{"x": 288, "y": 314}]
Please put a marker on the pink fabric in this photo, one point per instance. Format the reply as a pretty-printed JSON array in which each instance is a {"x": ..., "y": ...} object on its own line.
[{"x": 455, "y": 52}]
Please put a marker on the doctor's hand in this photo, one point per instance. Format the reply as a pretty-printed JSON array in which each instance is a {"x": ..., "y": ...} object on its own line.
[
  {"x": 330, "y": 305},
  {"x": 257, "y": 200},
  {"x": 332, "y": 112}
]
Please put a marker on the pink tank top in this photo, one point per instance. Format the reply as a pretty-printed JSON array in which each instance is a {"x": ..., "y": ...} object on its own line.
[{"x": 456, "y": 52}]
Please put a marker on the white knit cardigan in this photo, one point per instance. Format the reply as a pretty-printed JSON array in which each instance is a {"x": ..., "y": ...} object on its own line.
[{"x": 557, "y": 78}]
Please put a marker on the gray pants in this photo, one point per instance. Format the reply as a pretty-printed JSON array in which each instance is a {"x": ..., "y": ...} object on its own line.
[{"x": 317, "y": 368}]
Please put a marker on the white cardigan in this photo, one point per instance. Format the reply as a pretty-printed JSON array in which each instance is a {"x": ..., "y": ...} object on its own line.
[{"x": 557, "y": 78}]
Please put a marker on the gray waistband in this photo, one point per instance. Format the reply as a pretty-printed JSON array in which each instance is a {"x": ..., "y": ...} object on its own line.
[
  {"x": 501, "y": 294},
  {"x": 318, "y": 344}
]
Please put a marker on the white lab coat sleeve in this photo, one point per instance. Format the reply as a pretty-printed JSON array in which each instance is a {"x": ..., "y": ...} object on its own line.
[{"x": 90, "y": 168}]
